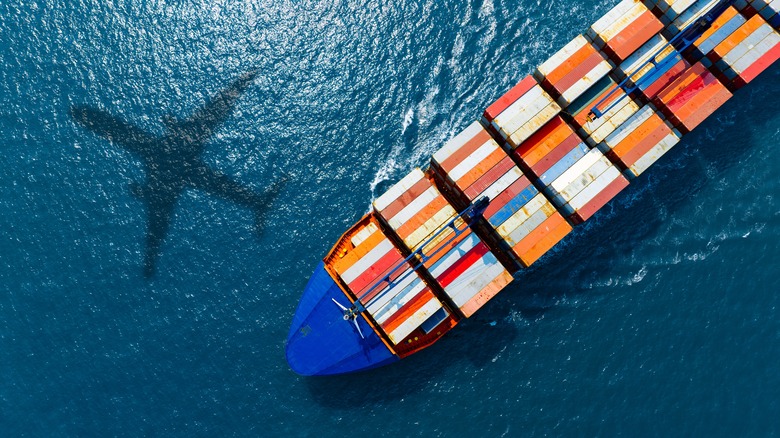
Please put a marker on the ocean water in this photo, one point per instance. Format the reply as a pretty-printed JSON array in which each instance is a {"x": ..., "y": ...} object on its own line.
[{"x": 660, "y": 316}]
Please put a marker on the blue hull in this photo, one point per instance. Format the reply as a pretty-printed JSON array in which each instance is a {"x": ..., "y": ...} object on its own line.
[{"x": 322, "y": 343}]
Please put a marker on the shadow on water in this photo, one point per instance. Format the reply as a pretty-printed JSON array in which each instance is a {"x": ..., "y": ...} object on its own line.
[
  {"x": 174, "y": 163},
  {"x": 482, "y": 337}
]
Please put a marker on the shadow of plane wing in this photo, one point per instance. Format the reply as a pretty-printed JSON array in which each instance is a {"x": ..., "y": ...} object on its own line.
[
  {"x": 221, "y": 185},
  {"x": 114, "y": 130},
  {"x": 202, "y": 124}
]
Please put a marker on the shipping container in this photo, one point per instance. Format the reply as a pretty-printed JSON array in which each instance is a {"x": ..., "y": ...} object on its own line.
[
  {"x": 721, "y": 28},
  {"x": 468, "y": 275},
  {"x": 606, "y": 95},
  {"x": 681, "y": 20},
  {"x": 567, "y": 168},
  {"x": 691, "y": 98},
  {"x": 467, "y": 270},
  {"x": 414, "y": 208},
  {"x": 572, "y": 70},
  {"x": 640, "y": 66},
  {"x": 744, "y": 54},
  {"x": 640, "y": 141},
  {"x": 520, "y": 112},
  {"x": 624, "y": 29}
]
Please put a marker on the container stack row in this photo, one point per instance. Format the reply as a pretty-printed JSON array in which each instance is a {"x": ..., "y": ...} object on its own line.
[
  {"x": 640, "y": 141},
  {"x": 653, "y": 64},
  {"x": 743, "y": 54},
  {"x": 473, "y": 166},
  {"x": 623, "y": 29},
  {"x": 520, "y": 112},
  {"x": 676, "y": 15},
  {"x": 577, "y": 179},
  {"x": 692, "y": 97},
  {"x": 375, "y": 272},
  {"x": 456, "y": 258},
  {"x": 571, "y": 71}
]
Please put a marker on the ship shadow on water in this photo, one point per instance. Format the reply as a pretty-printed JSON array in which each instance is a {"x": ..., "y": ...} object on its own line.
[
  {"x": 173, "y": 163},
  {"x": 477, "y": 341}
]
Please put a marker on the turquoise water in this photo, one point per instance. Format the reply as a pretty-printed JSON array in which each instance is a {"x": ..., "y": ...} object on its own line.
[{"x": 659, "y": 317}]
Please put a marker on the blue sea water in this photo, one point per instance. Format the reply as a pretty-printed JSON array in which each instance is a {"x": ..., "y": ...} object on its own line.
[{"x": 660, "y": 316}]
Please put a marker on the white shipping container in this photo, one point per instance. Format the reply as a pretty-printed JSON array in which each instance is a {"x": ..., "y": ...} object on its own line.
[
  {"x": 587, "y": 81},
  {"x": 560, "y": 57},
  {"x": 721, "y": 34},
  {"x": 624, "y": 130},
  {"x": 523, "y": 230},
  {"x": 641, "y": 72},
  {"x": 521, "y": 117},
  {"x": 473, "y": 160},
  {"x": 457, "y": 142},
  {"x": 654, "y": 154},
  {"x": 517, "y": 107},
  {"x": 454, "y": 254},
  {"x": 579, "y": 184},
  {"x": 502, "y": 183},
  {"x": 689, "y": 15},
  {"x": 608, "y": 20},
  {"x": 413, "y": 208},
  {"x": 430, "y": 226},
  {"x": 757, "y": 52},
  {"x": 577, "y": 169},
  {"x": 642, "y": 55},
  {"x": 533, "y": 125},
  {"x": 600, "y": 128},
  {"x": 368, "y": 260},
  {"x": 537, "y": 204},
  {"x": 749, "y": 44},
  {"x": 398, "y": 189},
  {"x": 623, "y": 22},
  {"x": 414, "y": 321},
  {"x": 364, "y": 234},
  {"x": 474, "y": 281},
  {"x": 596, "y": 187},
  {"x": 409, "y": 285}
]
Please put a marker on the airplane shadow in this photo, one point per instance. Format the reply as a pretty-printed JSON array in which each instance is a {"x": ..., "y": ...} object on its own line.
[{"x": 173, "y": 162}]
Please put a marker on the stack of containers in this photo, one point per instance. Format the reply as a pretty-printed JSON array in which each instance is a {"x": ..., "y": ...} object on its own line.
[
  {"x": 640, "y": 141},
  {"x": 676, "y": 15},
  {"x": 460, "y": 262},
  {"x": 520, "y": 112},
  {"x": 649, "y": 77},
  {"x": 768, "y": 9},
  {"x": 393, "y": 293},
  {"x": 475, "y": 167},
  {"x": 604, "y": 93},
  {"x": 624, "y": 29},
  {"x": 691, "y": 98},
  {"x": 721, "y": 28},
  {"x": 579, "y": 180},
  {"x": 572, "y": 70},
  {"x": 744, "y": 54}
]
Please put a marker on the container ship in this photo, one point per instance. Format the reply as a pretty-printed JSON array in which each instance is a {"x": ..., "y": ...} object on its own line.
[{"x": 543, "y": 158}]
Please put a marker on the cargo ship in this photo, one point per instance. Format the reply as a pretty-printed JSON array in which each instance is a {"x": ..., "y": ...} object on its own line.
[{"x": 543, "y": 158}]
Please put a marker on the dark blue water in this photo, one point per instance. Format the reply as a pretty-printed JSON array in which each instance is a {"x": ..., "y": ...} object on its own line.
[{"x": 661, "y": 316}]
